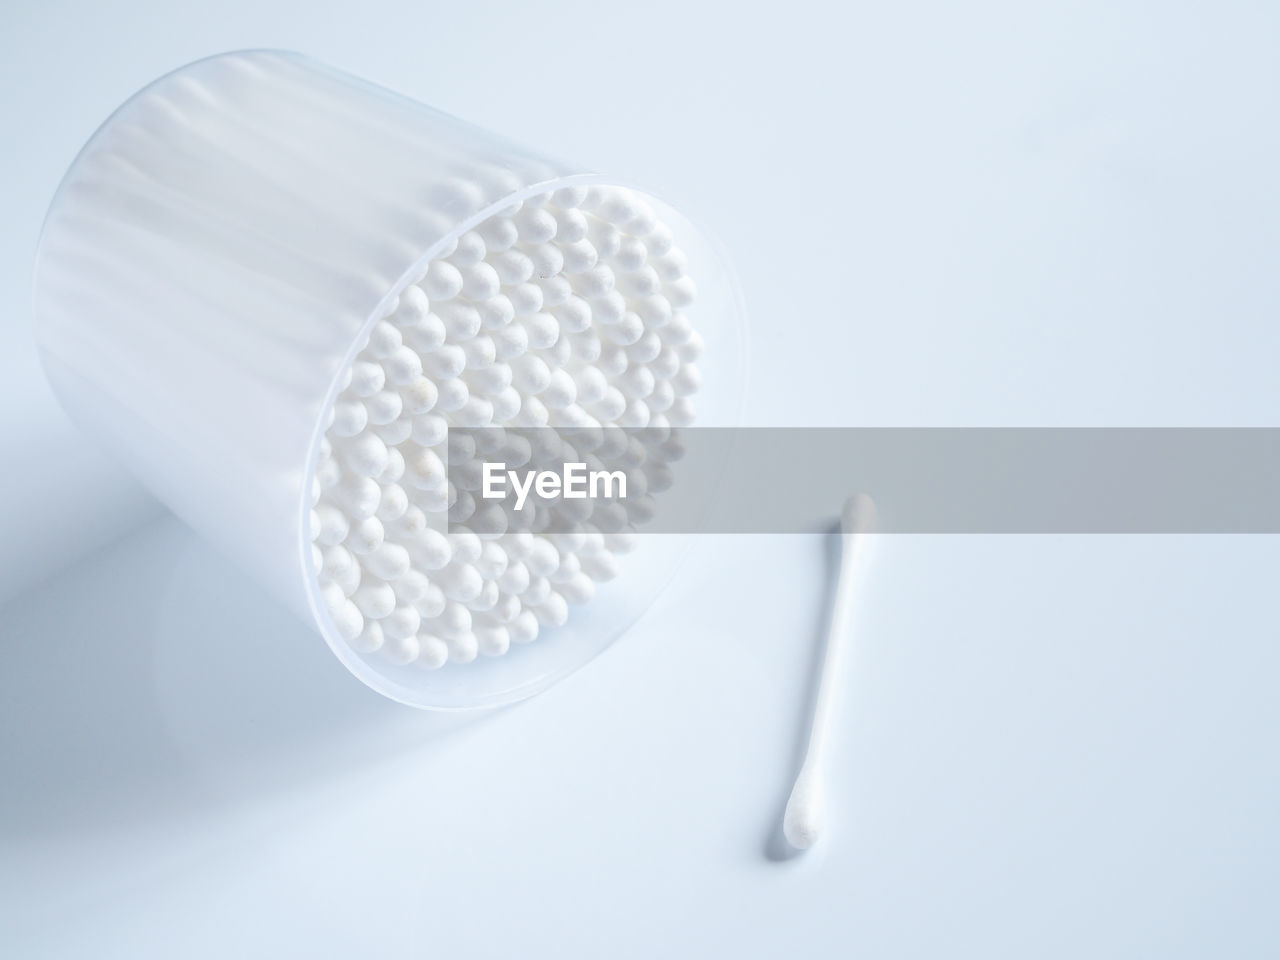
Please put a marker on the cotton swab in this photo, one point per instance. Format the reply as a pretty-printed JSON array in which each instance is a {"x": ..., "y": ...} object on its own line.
[{"x": 806, "y": 809}]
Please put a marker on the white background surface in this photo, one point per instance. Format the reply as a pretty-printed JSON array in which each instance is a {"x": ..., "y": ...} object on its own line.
[{"x": 943, "y": 215}]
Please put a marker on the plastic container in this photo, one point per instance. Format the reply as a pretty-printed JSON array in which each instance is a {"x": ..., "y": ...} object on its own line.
[{"x": 214, "y": 260}]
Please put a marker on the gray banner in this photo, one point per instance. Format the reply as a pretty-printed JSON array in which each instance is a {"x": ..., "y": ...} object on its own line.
[{"x": 924, "y": 480}]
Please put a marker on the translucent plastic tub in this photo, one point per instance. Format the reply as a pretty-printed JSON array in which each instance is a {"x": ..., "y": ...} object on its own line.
[{"x": 214, "y": 260}]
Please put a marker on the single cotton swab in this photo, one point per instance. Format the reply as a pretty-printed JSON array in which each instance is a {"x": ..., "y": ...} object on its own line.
[{"x": 806, "y": 810}]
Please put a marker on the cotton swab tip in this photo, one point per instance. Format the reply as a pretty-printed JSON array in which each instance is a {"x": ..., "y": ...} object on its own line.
[
  {"x": 858, "y": 515},
  {"x": 805, "y": 815}
]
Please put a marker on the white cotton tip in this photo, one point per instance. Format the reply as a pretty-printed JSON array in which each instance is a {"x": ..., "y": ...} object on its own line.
[
  {"x": 487, "y": 599},
  {"x": 622, "y": 541},
  {"x": 433, "y": 652},
  {"x": 523, "y": 628},
  {"x": 533, "y": 413},
  {"x": 412, "y": 308},
  {"x": 613, "y": 359},
  {"x": 506, "y": 608},
  {"x": 470, "y": 251},
  {"x": 606, "y": 238},
  {"x": 610, "y": 406},
  {"x": 642, "y": 282},
  {"x": 805, "y": 815},
  {"x": 570, "y": 197},
  {"x": 626, "y": 331},
  {"x": 461, "y": 322},
  {"x": 542, "y": 329},
  {"x": 681, "y": 413},
  {"x": 375, "y": 600},
  {"x": 513, "y": 267},
  {"x": 358, "y": 497},
  {"x": 384, "y": 340},
  {"x": 601, "y": 567},
  {"x": 555, "y": 291},
  {"x": 495, "y": 312},
  {"x": 579, "y": 256},
  {"x": 590, "y": 383},
  {"x": 535, "y": 225},
  {"x": 400, "y": 650},
  {"x": 493, "y": 560},
  {"x": 365, "y": 536},
  {"x": 858, "y": 515},
  {"x": 571, "y": 225},
  {"x": 530, "y": 374},
  {"x": 655, "y": 310},
  {"x": 492, "y": 641},
  {"x": 402, "y": 366},
  {"x": 425, "y": 470},
  {"x": 538, "y": 590},
  {"x": 428, "y": 430},
  {"x": 645, "y": 349},
  {"x": 461, "y": 505},
  {"x": 364, "y": 455},
  {"x": 442, "y": 282},
  {"x": 453, "y": 395},
  {"x": 596, "y": 283},
  {"x": 346, "y": 576},
  {"x": 348, "y": 621},
  {"x": 526, "y": 298},
  {"x": 462, "y": 647},
  {"x": 411, "y": 587},
  {"x": 498, "y": 233},
  {"x": 691, "y": 350},
  {"x": 349, "y": 418},
  {"x": 586, "y": 347},
  {"x": 419, "y": 396},
  {"x": 444, "y": 364},
  {"x": 329, "y": 524},
  {"x": 461, "y": 583},
  {"x": 400, "y": 623},
  {"x": 547, "y": 261},
  {"x": 489, "y": 380},
  {"x": 543, "y": 558},
  {"x": 427, "y": 335},
  {"x": 510, "y": 342},
  {"x": 388, "y": 561},
  {"x": 476, "y": 412},
  {"x": 553, "y": 611},
  {"x": 370, "y": 639},
  {"x": 410, "y": 525},
  {"x": 384, "y": 407},
  {"x": 367, "y": 378},
  {"x": 393, "y": 503},
  {"x": 432, "y": 550},
  {"x": 559, "y": 352},
  {"x": 573, "y": 315},
  {"x": 506, "y": 405},
  {"x": 687, "y": 381},
  {"x": 665, "y": 364},
  {"x": 659, "y": 241},
  {"x": 671, "y": 265},
  {"x": 515, "y": 579},
  {"x": 433, "y": 602},
  {"x": 578, "y": 590},
  {"x": 681, "y": 292},
  {"x": 466, "y": 547},
  {"x": 454, "y": 620},
  {"x": 561, "y": 390}
]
